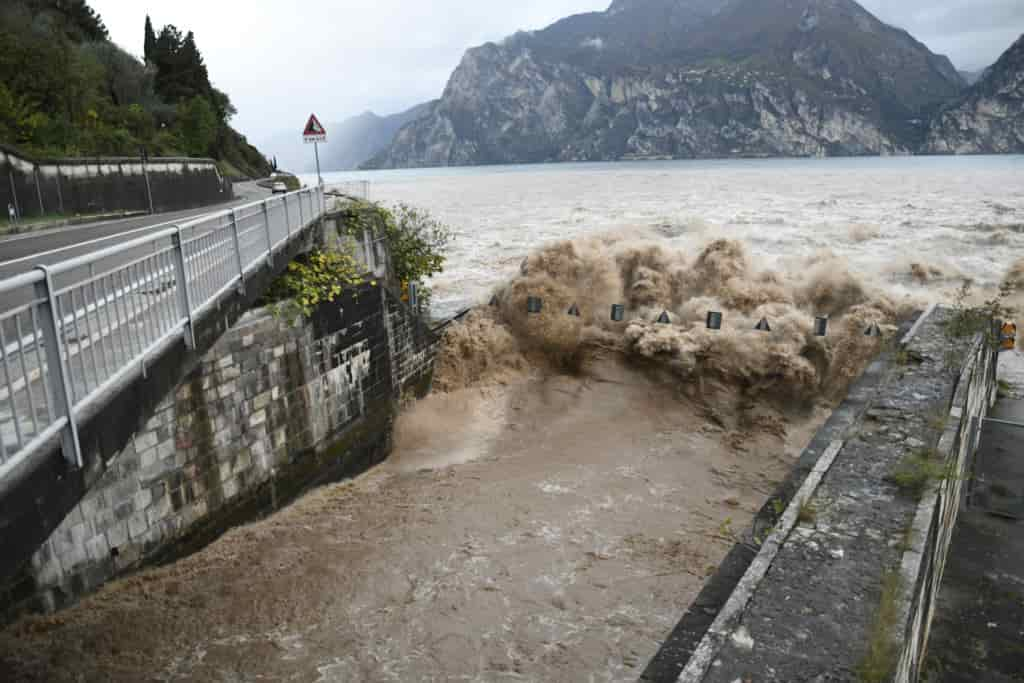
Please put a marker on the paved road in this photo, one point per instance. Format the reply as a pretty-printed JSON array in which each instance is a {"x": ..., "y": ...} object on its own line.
[{"x": 21, "y": 253}]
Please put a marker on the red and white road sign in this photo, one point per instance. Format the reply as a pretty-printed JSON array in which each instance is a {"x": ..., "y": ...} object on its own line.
[{"x": 314, "y": 132}]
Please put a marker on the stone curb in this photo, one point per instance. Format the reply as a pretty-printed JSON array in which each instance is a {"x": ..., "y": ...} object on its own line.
[{"x": 726, "y": 620}]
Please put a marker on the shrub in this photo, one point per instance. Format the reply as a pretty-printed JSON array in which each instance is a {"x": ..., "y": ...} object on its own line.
[
  {"x": 320, "y": 277},
  {"x": 417, "y": 241}
]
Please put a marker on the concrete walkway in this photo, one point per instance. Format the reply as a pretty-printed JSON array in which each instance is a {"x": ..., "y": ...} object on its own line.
[{"x": 978, "y": 633}]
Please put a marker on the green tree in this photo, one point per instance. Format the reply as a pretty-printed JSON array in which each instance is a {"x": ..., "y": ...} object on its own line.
[
  {"x": 417, "y": 242},
  {"x": 149, "y": 43},
  {"x": 65, "y": 89},
  {"x": 125, "y": 80},
  {"x": 197, "y": 125}
]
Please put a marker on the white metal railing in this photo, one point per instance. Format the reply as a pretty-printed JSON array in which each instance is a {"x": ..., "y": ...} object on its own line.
[
  {"x": 72, "y": 332},
  {"x": 360, "y": 189}
]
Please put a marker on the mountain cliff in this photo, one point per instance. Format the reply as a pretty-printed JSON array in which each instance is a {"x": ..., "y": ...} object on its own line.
[
  {"x": 989, "y": 119},
  {"x": 359, "y": 138},
  {"x": 686, "y": 78}
]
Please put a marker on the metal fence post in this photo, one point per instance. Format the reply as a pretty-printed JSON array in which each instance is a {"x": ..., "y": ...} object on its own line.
[
  {"x": 270, "y": 239},
  {"x": 287, "y": 219},
  {"x": 60, "y": 193},
  {"x": 184, "y": 297},
  {"x": 14, "y": 196},
  {"x": 238, "y": 252},
  {"x": 302, "y": 218},
  {"x": 39, "y": 191},
  {"x": 57, "y": 372}
]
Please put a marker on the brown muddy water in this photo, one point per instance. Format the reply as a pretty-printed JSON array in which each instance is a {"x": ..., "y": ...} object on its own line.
[
  {"x": 554, "y": 507},
  {"x": 553, "y": 528}
]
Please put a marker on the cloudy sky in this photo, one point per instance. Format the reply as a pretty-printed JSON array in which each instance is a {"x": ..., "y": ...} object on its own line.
[{"x": 278, "y": 61}]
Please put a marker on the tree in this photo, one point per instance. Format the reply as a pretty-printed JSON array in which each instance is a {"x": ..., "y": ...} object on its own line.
[
  {"x": 80, "y": 22},
  {"x": 222, "y": 105},
  {"x": 126, "y": 80},
  {"x": 149, "y": 46},
  {"x": 67, "y": 90},
  {"x": 198, "y": 126},
  {"x": 194, "y": 75}
]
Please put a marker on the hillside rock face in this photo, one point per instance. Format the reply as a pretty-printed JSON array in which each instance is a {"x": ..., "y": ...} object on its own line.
[
  {"x": 989, "y": 119},
  {"x": 686, "y": 78},
  {"x": 359, "y": 138}
]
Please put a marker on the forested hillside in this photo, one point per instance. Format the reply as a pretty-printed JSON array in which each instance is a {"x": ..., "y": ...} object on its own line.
[{"x": 66, "y": 90}]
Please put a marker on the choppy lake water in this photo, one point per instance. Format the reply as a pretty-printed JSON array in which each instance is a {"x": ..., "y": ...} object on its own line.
[{"x": 955, "y": 216}]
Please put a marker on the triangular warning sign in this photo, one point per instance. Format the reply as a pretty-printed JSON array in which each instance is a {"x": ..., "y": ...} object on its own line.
[
  {"x": 664, "y": 319},
  {"x": 314, "y": 127},
  {"x": 574, "y": 310},
  {"x": 763, "y": 326}
]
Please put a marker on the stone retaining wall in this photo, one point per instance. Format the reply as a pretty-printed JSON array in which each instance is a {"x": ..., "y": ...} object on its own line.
[{"x": 270, "y": 411}]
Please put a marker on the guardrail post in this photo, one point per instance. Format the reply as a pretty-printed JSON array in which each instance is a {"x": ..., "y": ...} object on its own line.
[
  {"x": 302, "y": 218},
  {"x": 287, "y": 219},
  {"x": 184, "y": 296},
  {"x": 238, "y": 253},
  {"x": 270, "y": 239},
  {"x": 58, "y": 373}
]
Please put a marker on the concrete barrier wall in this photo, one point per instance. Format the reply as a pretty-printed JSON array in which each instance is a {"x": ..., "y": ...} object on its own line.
[
  {"x": 837, "y": 580},
  {"x": 270, "y": 411},
  {"x": 100, "y": 185}
]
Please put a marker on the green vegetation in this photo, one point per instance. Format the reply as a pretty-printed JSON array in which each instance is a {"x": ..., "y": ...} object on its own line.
[
  {"x": 808, "y": 513},
  {"x": 417, "y": 241},
  {"x": 290, "y": 181},
  {"x": 917, "y": 471},
  {"x": 880, "y": 660},
  {"x": 968, "y": 321},
  {"x": 318, "y": 277},
  {"x": 66, "y": 90}
]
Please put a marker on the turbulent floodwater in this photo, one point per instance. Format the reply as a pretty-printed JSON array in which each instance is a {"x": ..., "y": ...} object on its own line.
[
  {"x": 951, "y": 216},
  {"x": 554, "y": 507}
]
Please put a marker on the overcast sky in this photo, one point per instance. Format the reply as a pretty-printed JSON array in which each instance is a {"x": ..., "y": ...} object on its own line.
[{"x": 279, "y": 61}]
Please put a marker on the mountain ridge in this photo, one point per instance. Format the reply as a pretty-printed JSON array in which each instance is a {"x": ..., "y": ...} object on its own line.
[
  {"x": 686, "y": 78},
  {"x": 989, "y": 117}
]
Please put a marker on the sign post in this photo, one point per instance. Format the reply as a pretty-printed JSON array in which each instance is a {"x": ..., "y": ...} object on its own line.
[{"x": 315, "y": 133}]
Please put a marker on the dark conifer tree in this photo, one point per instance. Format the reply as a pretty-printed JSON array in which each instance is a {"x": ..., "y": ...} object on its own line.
[{"x": 150, "y": 44}]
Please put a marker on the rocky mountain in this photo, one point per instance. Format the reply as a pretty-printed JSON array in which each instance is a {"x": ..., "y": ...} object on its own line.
[
  {"x": 349, "y": 143},
  {"x": 686, "y": 78},
  {"x": 359, "y": 138},
  {"x": 989, "y": 118},
  {"x": 972, "y": 77}
]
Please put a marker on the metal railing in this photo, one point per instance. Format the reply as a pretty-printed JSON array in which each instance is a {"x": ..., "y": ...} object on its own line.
[
  {"x": 72, "y": 332},
  {"x": 359, "y": 189}
]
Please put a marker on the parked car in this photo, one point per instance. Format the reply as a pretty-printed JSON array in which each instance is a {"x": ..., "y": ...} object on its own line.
[{"x": 278, "y": 188}]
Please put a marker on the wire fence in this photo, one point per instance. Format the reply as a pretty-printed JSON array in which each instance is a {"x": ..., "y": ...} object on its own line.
[{"x": 70, "y": 333}]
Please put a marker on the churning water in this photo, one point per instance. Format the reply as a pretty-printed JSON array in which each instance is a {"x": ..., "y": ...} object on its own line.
[{"x": 913, "y": 226}]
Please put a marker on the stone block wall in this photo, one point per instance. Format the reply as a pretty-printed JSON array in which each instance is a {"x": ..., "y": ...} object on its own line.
[
  {"x": 270, "y": 411},
  {"x": 98, "y": 185}
]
